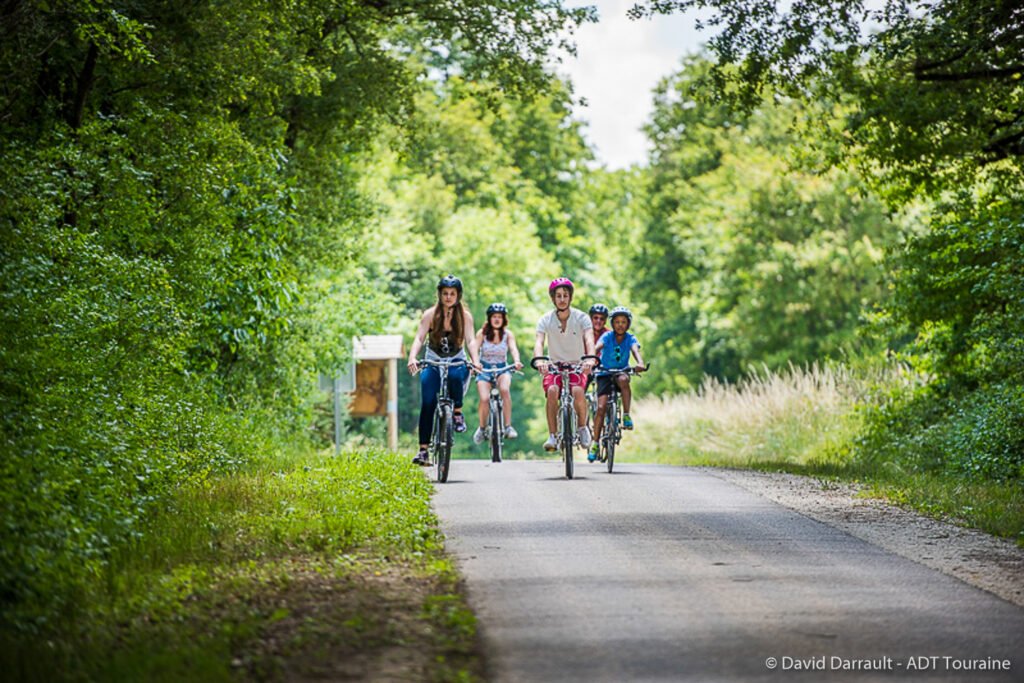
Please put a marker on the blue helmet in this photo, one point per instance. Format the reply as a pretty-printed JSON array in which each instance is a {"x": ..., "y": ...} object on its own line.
[
  {"x": 621, "y": 310},
  {"x": 450, "y": 281}
]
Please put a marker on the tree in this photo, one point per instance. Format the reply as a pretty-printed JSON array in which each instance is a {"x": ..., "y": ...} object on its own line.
[
  {"x": 938, "y": 86},
  {"x": 750, "y": 259},
  {"x": 182, "y": 237}
]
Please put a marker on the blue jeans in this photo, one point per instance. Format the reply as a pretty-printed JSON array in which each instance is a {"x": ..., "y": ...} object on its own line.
[{"x": 430, "y": 384}]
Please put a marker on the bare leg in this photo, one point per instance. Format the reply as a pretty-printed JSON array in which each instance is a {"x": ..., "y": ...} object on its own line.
[
  {"x": 504, "y": 386},
  {"x": 602, "y": 408},
  {"x": 579, "y": 399},
  {"x": 484, "y": 389},
  {"x": 553, "y": 409},
  {"x": 627, "y": 392}
]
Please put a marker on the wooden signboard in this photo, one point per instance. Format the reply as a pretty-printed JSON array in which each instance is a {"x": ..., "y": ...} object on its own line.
[{"x": 371, "y": 395}]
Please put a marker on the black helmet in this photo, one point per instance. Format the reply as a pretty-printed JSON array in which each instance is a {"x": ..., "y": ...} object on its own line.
[
  {"x": 621, "y": 310},
  {"x": 496, "y": 308},
  {"x": 599, "y": 308},
  {"x": 450, "y": 281}
]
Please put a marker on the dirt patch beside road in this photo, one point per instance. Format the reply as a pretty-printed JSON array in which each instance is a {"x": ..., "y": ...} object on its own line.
[{"x": 992, "y": 564}]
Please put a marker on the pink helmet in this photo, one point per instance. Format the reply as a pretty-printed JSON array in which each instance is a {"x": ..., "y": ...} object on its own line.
[{"x": 560, "y": 282}]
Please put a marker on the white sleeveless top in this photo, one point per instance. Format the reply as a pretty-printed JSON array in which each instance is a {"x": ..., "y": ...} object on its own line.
[{"x": 493, "y": 353}]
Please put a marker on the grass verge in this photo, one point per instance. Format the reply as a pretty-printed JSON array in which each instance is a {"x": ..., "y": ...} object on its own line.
[
  {"x": 312, "y": 567},
  {"x": 807, "y": 422}
]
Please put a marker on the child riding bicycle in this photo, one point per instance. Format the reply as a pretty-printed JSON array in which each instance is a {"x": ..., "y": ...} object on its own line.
[
  {"x": 494, "y": 342},
  {"x": 614, "y": 348},
  {"x": 569, "y": 335}
]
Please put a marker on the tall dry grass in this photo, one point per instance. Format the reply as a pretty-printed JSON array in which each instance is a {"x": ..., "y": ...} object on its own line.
[{"x": 794, "y": 417}]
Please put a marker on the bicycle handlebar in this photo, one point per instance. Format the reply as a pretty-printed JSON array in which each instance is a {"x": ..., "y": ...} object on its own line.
[
  {"x": 631, "y": 370},
  {"x": 559, "y": 365},
  {"x": 451, "y": 362},
  {"x": 511, "y": 367}
]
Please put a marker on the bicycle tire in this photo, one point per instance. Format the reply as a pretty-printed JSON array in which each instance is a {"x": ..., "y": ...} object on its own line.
[
  {"x": 444, "y": 448},
  {"x": 567, "y": 437},
  {"x": 495, "y": 420},
  {"x": 608, "y": 436}
]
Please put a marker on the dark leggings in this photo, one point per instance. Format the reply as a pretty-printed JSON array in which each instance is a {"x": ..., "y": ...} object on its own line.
[{"x": 430, "y": 383}]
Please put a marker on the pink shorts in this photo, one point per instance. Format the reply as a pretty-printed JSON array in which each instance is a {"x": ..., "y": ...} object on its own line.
[{"x": 576, "y": 379}]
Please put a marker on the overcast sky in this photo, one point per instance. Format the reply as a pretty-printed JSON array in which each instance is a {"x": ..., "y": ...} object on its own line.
[{"x": 619, "y": 62}]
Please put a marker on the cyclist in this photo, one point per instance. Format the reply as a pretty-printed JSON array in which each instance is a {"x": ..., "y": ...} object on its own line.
[
  {"x": 445, "y": 327},
  {"x": 599, "y": 319},
  {"x": 614, "y": 348},
  {"x": 569, "y": 335},
  {"x": 494, "y": 342}
]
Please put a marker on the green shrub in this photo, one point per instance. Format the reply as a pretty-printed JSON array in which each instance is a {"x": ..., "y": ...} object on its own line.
[{"x": 978, "y": 434}]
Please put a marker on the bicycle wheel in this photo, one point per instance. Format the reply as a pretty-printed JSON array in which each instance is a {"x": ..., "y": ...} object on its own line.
[
  {"x": 568, "y": 433},
  {"x": 608, "y": 435},
  {"x": 495, "y": 421},
  {"x": 444, "y": 442}
]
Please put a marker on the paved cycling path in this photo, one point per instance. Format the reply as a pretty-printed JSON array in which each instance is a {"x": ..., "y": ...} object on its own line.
[{"x": 668, "y": 574}]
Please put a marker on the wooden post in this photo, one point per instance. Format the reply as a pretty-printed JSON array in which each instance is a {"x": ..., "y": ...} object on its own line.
[
  {"x": 393, "y": 404},
  {"x": 339, "y": 425}
]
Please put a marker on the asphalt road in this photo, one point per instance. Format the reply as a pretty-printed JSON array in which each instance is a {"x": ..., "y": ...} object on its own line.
[{"x": 660, "y": 573}]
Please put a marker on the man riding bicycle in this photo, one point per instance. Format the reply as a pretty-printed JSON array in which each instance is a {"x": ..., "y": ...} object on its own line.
[{"x": 569, "y": 336}]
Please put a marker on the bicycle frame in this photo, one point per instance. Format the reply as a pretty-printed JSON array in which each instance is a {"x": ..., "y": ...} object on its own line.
[
  {"x": 495, "y": 430},
  {"x": 611, "y": 432},
  {"x": 567, "y": 436},
  {"x": 441, "y": 438}
]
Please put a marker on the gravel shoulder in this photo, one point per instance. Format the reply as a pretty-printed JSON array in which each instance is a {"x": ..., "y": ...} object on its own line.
[{"x": 993, "y": 564}]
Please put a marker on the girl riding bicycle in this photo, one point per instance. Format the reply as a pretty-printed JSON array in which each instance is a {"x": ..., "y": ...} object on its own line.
[
  {"x": 444, "y": 327},
  {"x": 614, "y": 348},
  {"x": 494, "y": 342}
]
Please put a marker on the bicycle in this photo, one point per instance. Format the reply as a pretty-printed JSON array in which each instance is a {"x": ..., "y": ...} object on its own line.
[
  {"x": 441, "y": 437},
  {"x": 611, "y": 432},
  {"x": 567, "y": 436},
  {"x": 495, "y": 430}
]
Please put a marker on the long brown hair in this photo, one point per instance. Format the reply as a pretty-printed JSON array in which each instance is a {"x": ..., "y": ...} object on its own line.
[
  {"x": 495, "y": 331},
  {"x": 437, "y": 324}
]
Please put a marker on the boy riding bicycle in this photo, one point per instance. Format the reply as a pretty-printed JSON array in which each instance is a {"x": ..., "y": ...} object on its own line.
[
  {"x": 614, "y": 348},
  {"x": 569, "y": 335}
]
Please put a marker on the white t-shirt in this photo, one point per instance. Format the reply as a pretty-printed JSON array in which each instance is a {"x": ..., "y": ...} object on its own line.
[{"x": 565, "y": 345}]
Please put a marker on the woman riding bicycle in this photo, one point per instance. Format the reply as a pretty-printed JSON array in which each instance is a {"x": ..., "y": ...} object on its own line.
[
  {"x": 569, "y": 335},
  {"x": 614, "y": 348},
  {"x": 444, "y": 327},
  {"x": 494, "y": 342}
]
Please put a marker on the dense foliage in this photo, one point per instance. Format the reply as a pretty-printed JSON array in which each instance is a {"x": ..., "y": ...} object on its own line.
[
  {"x": 752, "y": 259},
  {"x": 200, "y": 205},
  {"x": 932, "y": 104},
  {"x": 182, "y": 234}
]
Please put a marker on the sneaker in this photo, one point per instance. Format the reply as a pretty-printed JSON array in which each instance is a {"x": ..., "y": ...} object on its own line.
[
  {"x": 627, "y": 421},
  {"x": 459, "y": 420},
  {"x": 511, "y": 433},
  {"x": 551, "y": 444},
  {"x": 422, "y": 459},
  {"x": 585, "y": 436},
  {"x": 592, "y": 453},
  {"x": 478, "y": 435}
]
